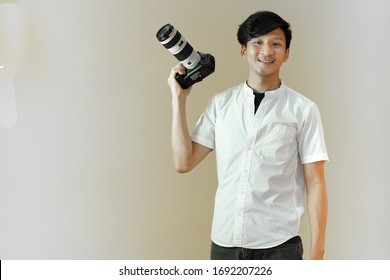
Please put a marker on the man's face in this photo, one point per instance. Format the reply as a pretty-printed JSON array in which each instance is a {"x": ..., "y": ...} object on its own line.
[{"x": 266, "y": 54}]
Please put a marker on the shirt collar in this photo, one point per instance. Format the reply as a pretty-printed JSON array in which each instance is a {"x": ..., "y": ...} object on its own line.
[{"x": 249, "y": 92}]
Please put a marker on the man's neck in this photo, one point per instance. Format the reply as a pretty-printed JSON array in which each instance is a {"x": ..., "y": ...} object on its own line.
[{"x": 262, "y": 84}]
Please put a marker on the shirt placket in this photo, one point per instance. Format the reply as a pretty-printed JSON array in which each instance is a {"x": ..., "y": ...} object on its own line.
[{"x": 245, "y": 174}]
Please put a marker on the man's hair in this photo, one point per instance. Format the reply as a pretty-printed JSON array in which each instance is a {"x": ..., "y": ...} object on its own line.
[{"x": 261, "y": 23}]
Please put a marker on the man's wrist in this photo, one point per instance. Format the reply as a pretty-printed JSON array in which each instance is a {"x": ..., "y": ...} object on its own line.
[{"x": 179, "y": 100}]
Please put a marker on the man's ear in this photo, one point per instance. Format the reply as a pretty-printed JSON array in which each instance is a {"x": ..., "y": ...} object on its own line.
[
  {"x": 243, "y": 51},
  {"x": 287, "y": 54}
]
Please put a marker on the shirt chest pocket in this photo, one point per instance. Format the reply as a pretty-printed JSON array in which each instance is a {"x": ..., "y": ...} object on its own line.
[{"x": 277, "y": 141}]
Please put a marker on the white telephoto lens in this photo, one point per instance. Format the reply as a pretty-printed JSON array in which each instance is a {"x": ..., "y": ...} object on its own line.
[
  {"x": 192, "y": 60},
  {"x": 179, "y": 46}
]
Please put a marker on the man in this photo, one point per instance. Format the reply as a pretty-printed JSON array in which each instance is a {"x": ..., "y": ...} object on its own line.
[{"x": 269, "y": 145}]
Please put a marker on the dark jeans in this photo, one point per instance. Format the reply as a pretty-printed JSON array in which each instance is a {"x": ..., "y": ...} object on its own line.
[{"x": 292, "y": 249}]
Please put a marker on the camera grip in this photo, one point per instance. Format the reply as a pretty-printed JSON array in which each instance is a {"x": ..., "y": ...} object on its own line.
[{"x": 184, "y": 80}]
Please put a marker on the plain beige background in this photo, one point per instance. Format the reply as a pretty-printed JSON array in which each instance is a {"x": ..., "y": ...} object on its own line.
[{"x": 86, "y": 171}]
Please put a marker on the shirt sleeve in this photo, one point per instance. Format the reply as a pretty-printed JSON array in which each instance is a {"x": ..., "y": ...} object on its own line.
[
  {"x": 204, "y": 131},
  {"x": 311, "y": 140}
]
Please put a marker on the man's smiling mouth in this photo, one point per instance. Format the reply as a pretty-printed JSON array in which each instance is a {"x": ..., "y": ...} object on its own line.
[{"x": 268, "y": 61}]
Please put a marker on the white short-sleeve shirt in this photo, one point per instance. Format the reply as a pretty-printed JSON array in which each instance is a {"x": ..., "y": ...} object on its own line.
[{"x": 260, "y": 197}]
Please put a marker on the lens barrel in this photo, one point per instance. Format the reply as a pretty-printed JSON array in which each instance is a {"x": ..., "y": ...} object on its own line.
[{"x": 177, "y": 45}]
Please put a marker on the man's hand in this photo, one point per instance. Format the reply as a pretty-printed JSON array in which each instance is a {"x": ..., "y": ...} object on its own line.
[{"x": 177, "y": 91}]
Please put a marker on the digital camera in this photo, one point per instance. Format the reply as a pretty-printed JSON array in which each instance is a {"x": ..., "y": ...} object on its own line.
[{"x": 199, "y": 65}]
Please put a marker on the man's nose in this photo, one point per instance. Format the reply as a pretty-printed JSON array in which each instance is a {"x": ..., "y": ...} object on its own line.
[{"x": 266, "y": 50}]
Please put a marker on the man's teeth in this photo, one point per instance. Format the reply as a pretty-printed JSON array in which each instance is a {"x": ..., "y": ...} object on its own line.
[{"x": 266, "y": 61}]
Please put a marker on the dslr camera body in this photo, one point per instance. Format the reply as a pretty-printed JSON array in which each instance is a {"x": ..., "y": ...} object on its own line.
[{"x": 199, "y": 65}]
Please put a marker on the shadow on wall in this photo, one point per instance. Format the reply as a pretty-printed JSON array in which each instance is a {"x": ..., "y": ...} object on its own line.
[{"x": 9, "y": 38}]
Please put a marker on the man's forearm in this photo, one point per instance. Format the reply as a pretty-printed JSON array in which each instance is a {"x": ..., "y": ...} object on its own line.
[
  {"x": 181, "y": 140},
  {"x": 317, "y": 204},
  {"x": 318, "y": 211}
]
